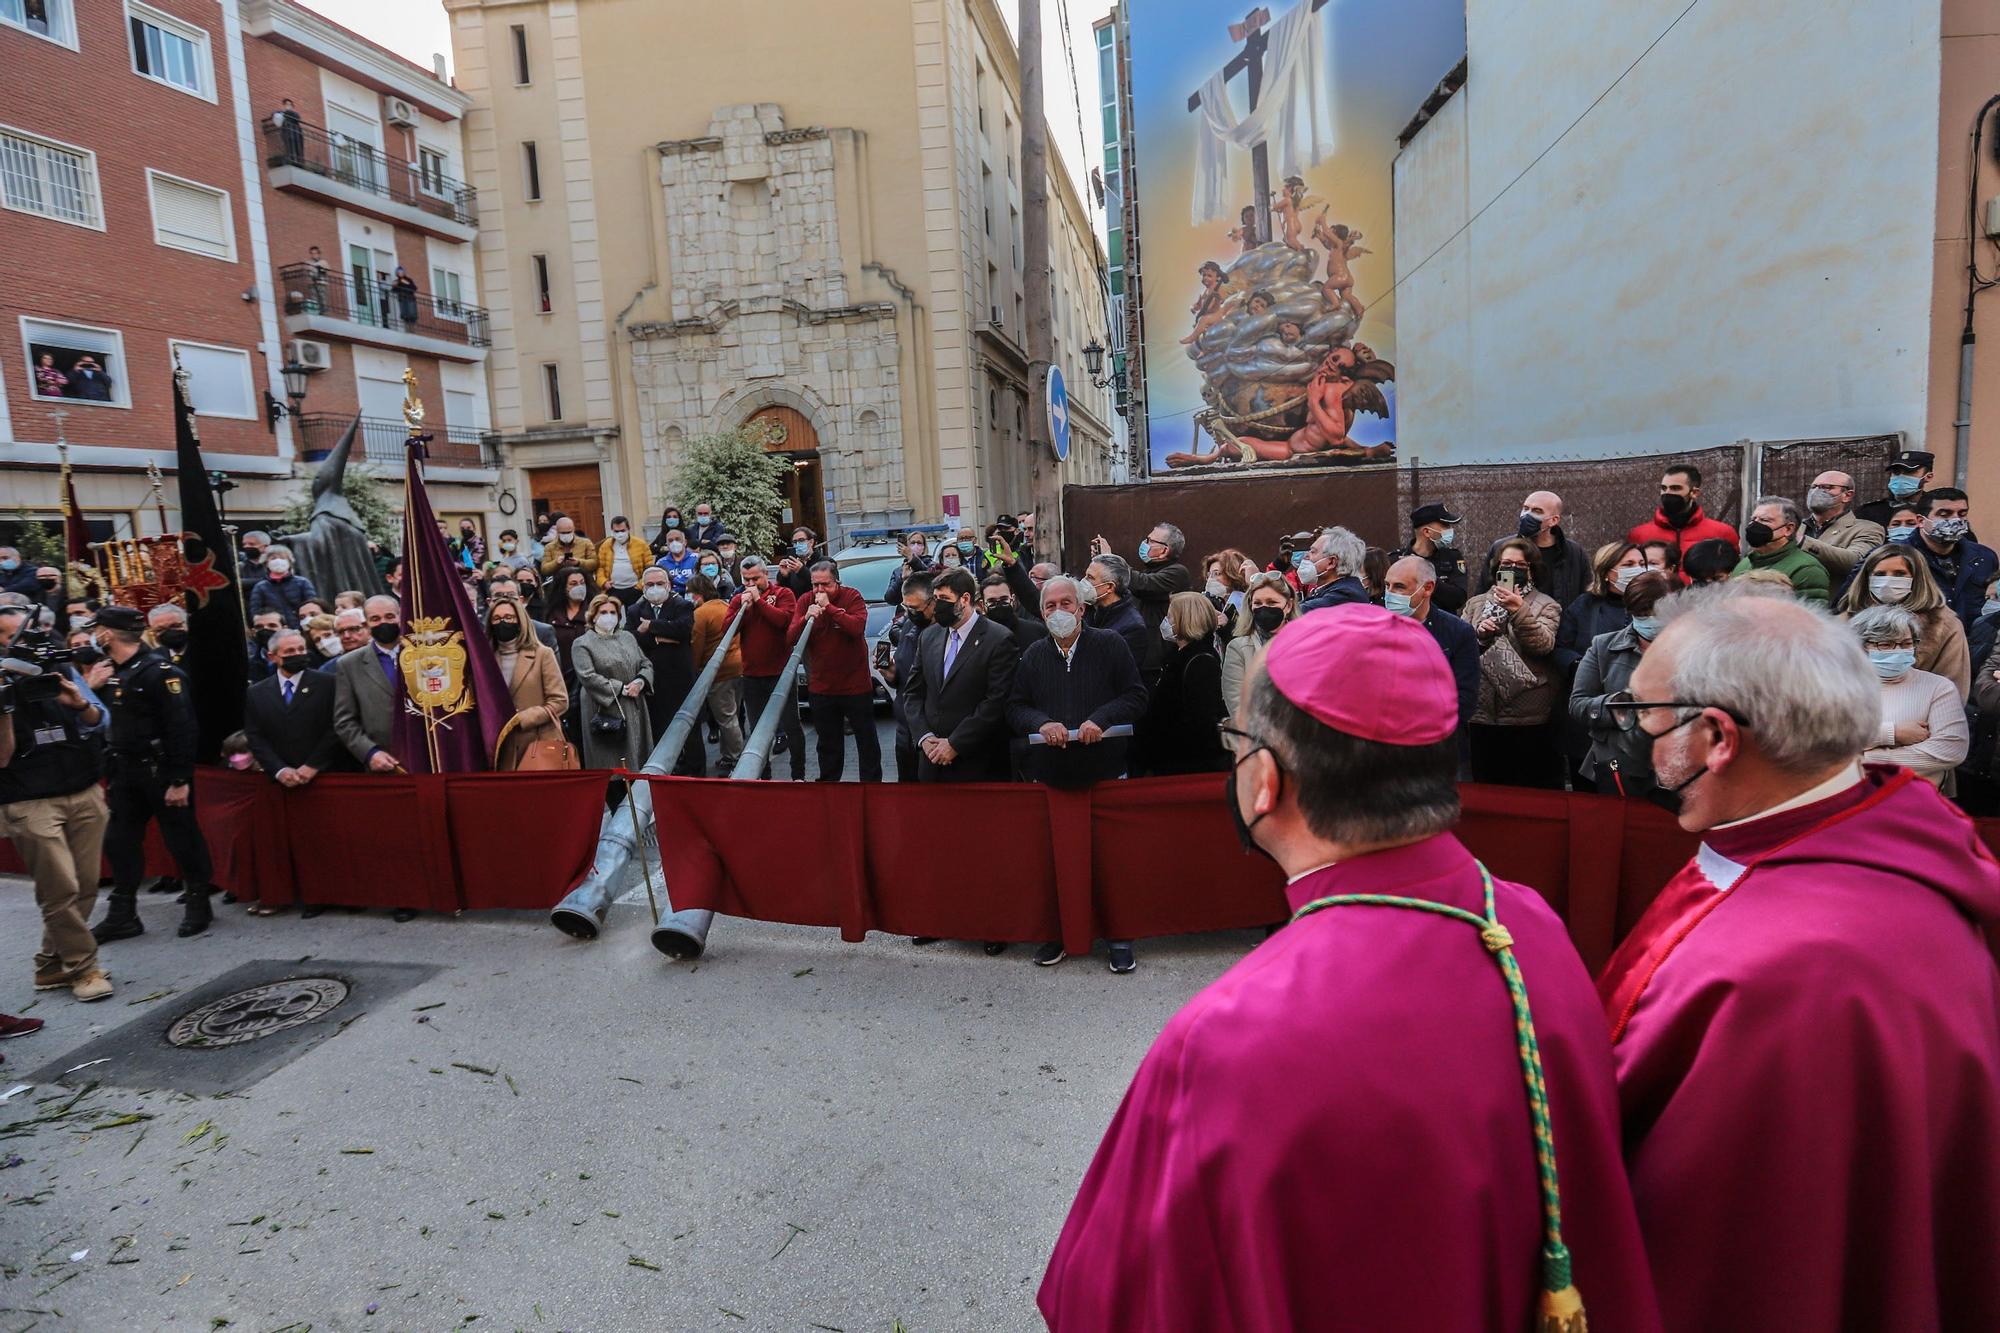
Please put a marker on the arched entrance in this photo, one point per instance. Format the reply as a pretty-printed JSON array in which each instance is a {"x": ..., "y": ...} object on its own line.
[{"x": 787, "y": 430}]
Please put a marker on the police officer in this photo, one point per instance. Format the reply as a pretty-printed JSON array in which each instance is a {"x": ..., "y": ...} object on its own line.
[
  {"x": 1909, "y": 477},
  {"x": 151, "y": 772},
  {"x": 1434, "y": 537},
  {"x": 50, "y": 805}
]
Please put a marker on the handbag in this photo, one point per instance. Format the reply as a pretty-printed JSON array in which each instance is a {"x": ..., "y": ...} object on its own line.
[
  {"x": 608, "y": 724},
  {"x": 555, "y": 756}
]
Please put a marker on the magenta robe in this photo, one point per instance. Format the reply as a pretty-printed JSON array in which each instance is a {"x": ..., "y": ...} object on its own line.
[
  {"x": 1807, "y": 1030},
  {"x": 1334, "y": 1134}
]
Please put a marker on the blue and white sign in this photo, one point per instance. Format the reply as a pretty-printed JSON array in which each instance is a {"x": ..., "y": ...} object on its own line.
[{"x": 1058, "y": 404}]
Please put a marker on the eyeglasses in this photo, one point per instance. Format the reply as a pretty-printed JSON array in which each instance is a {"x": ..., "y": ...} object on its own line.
[
  {"x": 1625, "y": 710},
  {"x": 1231, "y": 734}
]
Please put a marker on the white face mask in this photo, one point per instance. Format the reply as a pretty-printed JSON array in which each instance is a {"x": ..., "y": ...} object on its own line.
[
  {"x": 675, "y": 548},
  {"x": 1062, "y": 624},
  {"x": 607, "y": 623},
  {"x": 329, "y": 646},
  {"x": 1890, "y": 588},
  {"x": 1217, "y": 588},
  {"x": 655, "y": 593},
  {"x": 1624, "y": 574},
  {"x": 1167, "y": 630},
  {"x": 278, "y": 565},
  {"x": 576, "y": 594}
]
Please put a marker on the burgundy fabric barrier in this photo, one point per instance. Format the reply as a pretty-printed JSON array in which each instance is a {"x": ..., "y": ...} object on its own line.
[
  {"x": 1126, "y": 860},
  {"x": 438, "y": 843}
]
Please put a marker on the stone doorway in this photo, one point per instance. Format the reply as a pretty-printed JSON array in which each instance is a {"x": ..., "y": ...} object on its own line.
[{"x": 786, "y": 430}]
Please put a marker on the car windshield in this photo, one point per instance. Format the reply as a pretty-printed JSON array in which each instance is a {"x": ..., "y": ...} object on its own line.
[{"x": 879, "y": 616}]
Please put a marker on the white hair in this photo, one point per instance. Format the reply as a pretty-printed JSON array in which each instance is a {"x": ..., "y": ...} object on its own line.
[
  {"x": 1796, "y": 676},
  {"x": 1881, "y": 624},
  {"x": 1075, "y": 587},
  {"x": 1116, "y": 572},
  {"x": 1346, "y": 549},
  {"x": 1788, "y": 510},
  {"x": 167, "y": 611},
  {"x": 1426, "y": 571},
  {"x": 1176, "y": 539}
]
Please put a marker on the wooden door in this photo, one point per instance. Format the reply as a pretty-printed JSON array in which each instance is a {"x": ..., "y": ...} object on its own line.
[
  {"x": 786, "y": 430},
  {"x": 577, "y": 491}
]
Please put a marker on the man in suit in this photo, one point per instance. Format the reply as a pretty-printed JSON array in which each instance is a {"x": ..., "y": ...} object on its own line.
[
  {"x": 364, "y": 697},
  {"x": 959, "y": 687},
  {"x": 999, "y": 604},
  {"x": 288, "y": 716}
]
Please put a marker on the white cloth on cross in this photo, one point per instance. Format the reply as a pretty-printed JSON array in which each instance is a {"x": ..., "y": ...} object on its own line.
[{"x": 1294, "y": 113}]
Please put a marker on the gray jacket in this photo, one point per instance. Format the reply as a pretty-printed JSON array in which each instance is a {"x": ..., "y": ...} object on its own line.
[
  {"x": 605, "y": 664},
  {"x": 1605, "y": 669},
  {"x": 364, "y": 703}
]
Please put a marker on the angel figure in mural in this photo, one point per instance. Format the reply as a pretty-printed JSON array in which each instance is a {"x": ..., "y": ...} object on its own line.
[
  {"x": 1290, "y": 207},
  {"x": 1244, "y": 233},
  {"x": 1212, "y": 303},
  {"x": 1348, "y": 382},
  {"x": 1342, "y": 246}
]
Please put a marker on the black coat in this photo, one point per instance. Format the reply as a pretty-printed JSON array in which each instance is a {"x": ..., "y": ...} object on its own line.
[
  {"x": 1583, "y": 620},
  {"x": 1126, "y": 621},
  {"x": 1565, "y": 568},
  {"x": 665, "y": 640},
  {"x": 1099, "y": 684},
  {"x": 296, "y": 735},
  {"x": 1179, "y": 735},
  {"x": 967, "y": 707}
]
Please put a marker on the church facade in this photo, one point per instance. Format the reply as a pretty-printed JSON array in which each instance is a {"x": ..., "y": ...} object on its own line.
[{"x": 809, "y": 228}]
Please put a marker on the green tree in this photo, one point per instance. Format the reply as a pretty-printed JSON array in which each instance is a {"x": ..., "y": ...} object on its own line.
[
  {"x": 38, "y": 543},
  {"x": 370, "y": 496},
  {"x": 745, "y": 484}
]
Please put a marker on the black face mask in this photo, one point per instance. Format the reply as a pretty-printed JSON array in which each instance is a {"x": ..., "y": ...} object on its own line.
[
  {"x": 1677, "y": 508},
  {"x": 505, "y": 631},
  {"x": 945, "y": 613},
  {"x": 1758, "y": 534},
  {"x": 1529, "y": 526},
  {"x": 1267, "y": 619},
  {"x": 917, "y": 617},
  {"x": 386, "y": 633},
  {"x": 264, "y": 637},
  {"x": 1244, "y": 826},
  {"x": 1002, "y": 615},
  {"x": 173, "y": 640},
  {"x": 292, "y": 663}
]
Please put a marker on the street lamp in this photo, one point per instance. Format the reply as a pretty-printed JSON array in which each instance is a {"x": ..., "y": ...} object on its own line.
[
  {"x": 1093, "y": 361},
  {"x": 295, "y": 389}
]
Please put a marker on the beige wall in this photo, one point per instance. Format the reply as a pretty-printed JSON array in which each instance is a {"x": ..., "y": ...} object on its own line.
[
  {"x": 613, "y": 79},
  {"x": 1971, "y": 74}
]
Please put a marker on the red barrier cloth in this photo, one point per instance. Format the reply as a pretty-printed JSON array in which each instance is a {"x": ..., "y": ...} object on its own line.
[{"x": 523, "y": 840}]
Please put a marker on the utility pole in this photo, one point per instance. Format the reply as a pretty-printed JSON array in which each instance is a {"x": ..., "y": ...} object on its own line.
[{"x": 1035, "y": 280}]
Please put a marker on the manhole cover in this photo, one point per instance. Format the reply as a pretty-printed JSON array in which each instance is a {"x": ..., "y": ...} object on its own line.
[{"x": 257, "y": 1012}]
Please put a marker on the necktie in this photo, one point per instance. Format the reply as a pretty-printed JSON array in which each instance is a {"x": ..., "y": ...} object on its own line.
[
  {"x": 951, "y": 652},
  {"x": 288, "y": 693},
  {"x": 388, "y": 661}
]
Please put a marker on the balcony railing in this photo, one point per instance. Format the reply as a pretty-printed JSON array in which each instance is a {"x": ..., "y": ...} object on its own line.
[
  {"x": 382, "y": 440},
  {"x": 360, "y": 299},
  {"x": 361, "y": 166}
]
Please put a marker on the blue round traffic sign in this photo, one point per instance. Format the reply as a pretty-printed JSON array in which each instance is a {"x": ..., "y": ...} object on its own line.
[{"x": 1058, "y": 407}]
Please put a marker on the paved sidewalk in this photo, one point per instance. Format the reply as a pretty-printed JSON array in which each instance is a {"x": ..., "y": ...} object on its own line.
[{"x": 791, "y": 1134}]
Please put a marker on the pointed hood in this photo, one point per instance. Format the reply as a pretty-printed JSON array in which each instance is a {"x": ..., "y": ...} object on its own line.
[{"x": 328, "y": 489}]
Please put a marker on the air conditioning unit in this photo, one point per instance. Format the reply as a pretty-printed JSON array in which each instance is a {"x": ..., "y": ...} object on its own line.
[
  {"x": 995, "y": 319},
  {"x": 312, "y": 355},
  {"x": 1993, "y": 216},
  {"x": 401, "y": 113}
]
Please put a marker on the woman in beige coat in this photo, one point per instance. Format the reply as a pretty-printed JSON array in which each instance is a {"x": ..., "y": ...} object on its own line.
[
  {"x": 1519, "y": 683},
  {"x": 533, "y": 676}
]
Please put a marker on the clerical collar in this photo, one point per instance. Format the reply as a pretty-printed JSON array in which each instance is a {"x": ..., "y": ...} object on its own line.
[
  {"x": 1727, "y": 850},
  {"x": 1839, "y": 782},
  {"x": 1303, "y": 874}
]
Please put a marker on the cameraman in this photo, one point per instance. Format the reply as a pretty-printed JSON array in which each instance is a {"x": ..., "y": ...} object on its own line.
[{"x": 50, "y": 805}]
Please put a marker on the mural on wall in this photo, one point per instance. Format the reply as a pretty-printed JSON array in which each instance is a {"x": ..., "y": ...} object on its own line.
[{"x": 1262, "y": 157}]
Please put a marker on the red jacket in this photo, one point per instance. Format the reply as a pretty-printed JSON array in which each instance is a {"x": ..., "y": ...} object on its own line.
[
  {"x": 837, "y": 657},
  {"x": 1700, "y": 528},
  {"x": 762, "y": 637}
]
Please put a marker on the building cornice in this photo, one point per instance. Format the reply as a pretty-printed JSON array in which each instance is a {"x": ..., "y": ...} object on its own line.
[
  {"x": 331, "y": 46},
  {"x": 724, "y": 313}
]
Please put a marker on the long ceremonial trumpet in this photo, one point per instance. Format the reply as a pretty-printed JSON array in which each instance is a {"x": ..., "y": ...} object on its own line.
[{"x": 582, "y": 912}]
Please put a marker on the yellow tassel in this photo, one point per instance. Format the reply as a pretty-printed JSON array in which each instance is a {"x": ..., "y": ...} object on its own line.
[{"x": 1562, "y": 1312}]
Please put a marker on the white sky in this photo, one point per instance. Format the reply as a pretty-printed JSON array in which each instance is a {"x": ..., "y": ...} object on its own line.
[{"x": 417, "y": 28}]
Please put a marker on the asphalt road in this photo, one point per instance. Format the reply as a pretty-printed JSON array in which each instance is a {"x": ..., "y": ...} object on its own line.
[{"x": 791, "y": 1134}]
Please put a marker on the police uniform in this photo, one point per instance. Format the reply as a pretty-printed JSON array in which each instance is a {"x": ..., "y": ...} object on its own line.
[
  {"x": 152, "y": 747},
  {"x": 1448, "y": 561},
  {"x": 1911, "y": 463}
]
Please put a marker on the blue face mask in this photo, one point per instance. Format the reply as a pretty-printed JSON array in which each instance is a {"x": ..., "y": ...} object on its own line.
[
  {"x": 1991, "y": 605},
  {"x": 1399, "y": 603},
  {"x": 1903, "y": 487},
  {"x": 709, "y": 571},
  {"x": 1892, "y": 663},
  {"x": 10, "y": 565},
  {"x": 967, "y": 548},
  {"x": 1145, "y": 553},
  {"x": 802, "y": 548},
  {"x": 1298, "y": 558},
  {"x": 1902, "y": 534},
  {"x": 1646, "y": 627}
]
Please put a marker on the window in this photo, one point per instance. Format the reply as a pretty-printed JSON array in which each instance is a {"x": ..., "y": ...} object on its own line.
[
  {"x": 540, "y": 264},
  {"x": 1014, "y": 231},
  {"x": 531, "y": 172},
  {"x": 169, "y": 51},
  {"x": 520, "y": 55},
  {"x": 191, "y": 217},
  {"x": 986, "y": 197},
  {"x": 552, "y": 386},
  {"x": 432, "y": 171},
  {"x": 979, "y": 93},
  {"x": 48, "y": 178},
  {"x": 53, "y": 19},
  {"x": 447, "y": 294},
  {"x": 218, "y": 379},
  {"x": 75, "y": 363}
]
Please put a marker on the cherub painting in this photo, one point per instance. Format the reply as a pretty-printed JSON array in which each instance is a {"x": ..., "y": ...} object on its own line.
[
  {"x": 1213, "y": 301},
  {"x": 1341, "y": 245},
  {"x": 1244, "y": 233},
  {"x": 1290, "y": 207}
]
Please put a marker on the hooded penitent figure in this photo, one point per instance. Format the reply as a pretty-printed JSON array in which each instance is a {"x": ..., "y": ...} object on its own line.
[
  {"x": 1359, "y": 1126},
  {"x": 1806, "y": 1021},
  {"x": 333, "y": 550}
]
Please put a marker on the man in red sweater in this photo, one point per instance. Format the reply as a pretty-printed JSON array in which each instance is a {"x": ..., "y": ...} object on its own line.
[
  {"x": 1679, "y": 521},
  {"x": 837, "y": 672},
  {"x": 766, "y": 608}
]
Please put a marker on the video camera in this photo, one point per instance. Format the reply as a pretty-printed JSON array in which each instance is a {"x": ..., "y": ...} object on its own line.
[{"x": 33, "y": 673}]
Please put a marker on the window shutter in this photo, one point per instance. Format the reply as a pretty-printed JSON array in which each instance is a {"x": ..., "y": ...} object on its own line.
[{"x": 191, "y": 218}]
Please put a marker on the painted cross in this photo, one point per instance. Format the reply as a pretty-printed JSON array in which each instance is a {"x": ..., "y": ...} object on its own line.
[{"x": 1250, "y": 61}]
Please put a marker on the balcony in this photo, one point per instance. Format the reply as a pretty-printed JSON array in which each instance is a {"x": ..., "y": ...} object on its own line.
[
  {"x": 381, "y": 442},
  {"x": 305, "y": 159},
  {"x": 326, "y": 303}
]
